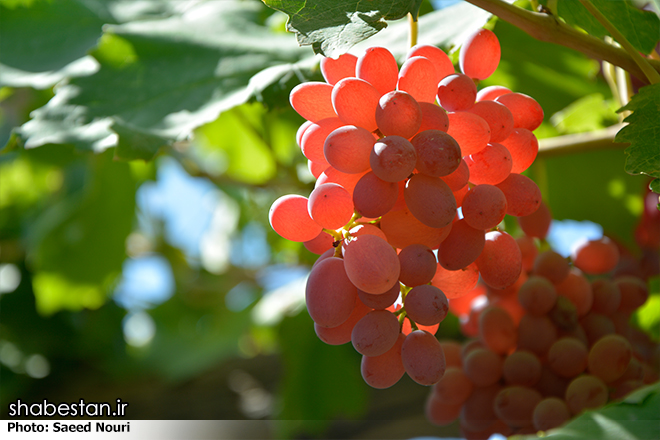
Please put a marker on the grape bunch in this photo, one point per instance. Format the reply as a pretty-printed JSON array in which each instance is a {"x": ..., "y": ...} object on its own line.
[
  {"x": 552, "y": 345},
  {"x": 415, "y": 170}
]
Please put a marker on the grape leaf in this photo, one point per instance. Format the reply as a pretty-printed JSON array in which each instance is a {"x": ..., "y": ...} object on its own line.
[
  {"x": 160, "y": 79},
  {"x": 643, "y": 132},
  {"x": 636, "y": 417},
  {"x": 331, "y": 28},
  {"x": 641, "y": 28}
]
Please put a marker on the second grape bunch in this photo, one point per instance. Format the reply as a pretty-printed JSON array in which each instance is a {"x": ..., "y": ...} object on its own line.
[{"x": 415, "y": 170}]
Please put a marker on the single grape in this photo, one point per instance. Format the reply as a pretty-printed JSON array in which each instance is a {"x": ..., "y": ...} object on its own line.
[
  {"x": 549, "y": 413},
  {"x": 330, "y": 295},
  {"x": 480, "y": 54},
  {"x": 312, "y": 100},
  {"x": 426, "y": 305},
  {"x": 527, "y": 113},
  {"x": 334, "y": 70},
  {"x": 433, "y": 117},
  {"x": 537, "y": 224},
  {"x": 634, "y": 293},
  {"x": 523, "y": 146},
  {"x": 483, "y": 367},
  {"x": 500, "y": 262},
  {"x": 330, "y": 205},
  {"x": 378, "y": 67},
  {"x": 470, "y": 131},
  {"x": 452, "y": 351},
  {"x": 418, "y": 265},
  {"x": 441, "y": 62},
  {"x": 418, "y": 77},
  {"x": 552, "y": 266},
  {"x": 536, "y": 334},
  {"x": 393, "y": 158},
  {"x": 458, "y": 179},
  {"x": 355, "y": 102},
  {"x": 567, "y": 357},
  {"x": 497, "y": 116},
  {"x": 577, "y": 289},
  {"x": 491, "y": 92},
  {"x": 374, "y": 197},
  {"x": 456, "y": 92},
  {"x": 385, "y": 370},
  {"x": 371, "y": 264},
  {"x": 537, "y": 295},
  {"x": 423, "y": 358},
  {"x": 595, "y": 257},
  {"x": 314, "y": 137},
  {"x": 454, "y": 388},
  {"x": 497, "y": 331},
  {"x": 484, "y": 206},
  {"x": 380, "y": 301},
  {"x": 398, "y": 113},
  {"x": 430, "y": 200},
  {"x": 348, "y": 149},
  {"x": 461, "y": 247},
  {"x": 403, "y": 229},
  {"x": 522, "y": 195},
  {"x": 491, "y": 165},
  {"x": 609, "y": 357},
  {"x": 585, "y": 392},
  {"x": 290, "y": 218},
  {"x": 375, "y": 333},
  {"x": 342, "y": 334},
  {"x": 440, "y": 414},
  {"x": 320, "y": 244},
  {"x": 438, "y": 154},
  {"x": 522, "y": 368},
  {"x": 456, "y": 283}
]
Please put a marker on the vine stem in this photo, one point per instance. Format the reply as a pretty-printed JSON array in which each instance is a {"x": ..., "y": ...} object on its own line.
[
  {"x": 414, "y": 29},
  {"x": 547, "y": 28},
  {"x": 651, "y": 74},
  {"x": 580, "y": 142}
]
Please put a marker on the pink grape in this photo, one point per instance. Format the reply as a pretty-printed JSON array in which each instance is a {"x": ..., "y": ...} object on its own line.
[
  {"x": 320, "y": 244},
  {"x": 483, "y": 367},
  {"x": 301, "y": 131},
  {"x": 454, "y": 388},
  {"x": 522, "y": 368},
  {"x": 418, "y": 265},
  {"x": 371, "y": 263},
  {"x": 315, "y": 136},
  {"x": 312, "y": 100},
  {"x": 470, "y": 131},
  {"x": 480, "y": 54},
  {"x": 342, "y": 333},
  {"x": 385, "y": 370},
  {"x": 456, "y": 92},
  {"x": 500, "y": 262},
  {"x": 527, "y": 113},
  {"x": 537, "y": 295},
  {"x": 528, "y": 250},
  {"x": 403, "y": 229},
  {"x": 330, "y": 205},
  {"x": 316, "y": 168},
  {"x": 334, "y": 70},
  {"x": 459, "y": 178},
  {"x": 461, "y": 247},
  {"x": 484, "y": 206},
  {"x": 423, "y": 358},
  {"x": 380, "y": 301},
  {"x": 549, "y": 264},
  {"x": 433, "y": 117},
  {"x": 515, "y": 405},
  {"x": 438, "y": 154},
  {"x": 491, "y": 165},
  {"x": 441, "y": 62},
  {"x": 430, "y": 200},
  {"x": 595, "y": 257},
  {"x": 426, "y": 304},
  {"x": 456, "y": 283},
  {"x": 607, "y": 296},
  {"x": 348, "y": 149},
  {"x": 577, "y": 289},
  {"x": 523, "y": 147},
  {"x": 419, "y": 78},
  {"x": 398, "y": 113},
  {"x": 523, "y": 196},
  {"x": 378, "y": 67},
  {"x": 393, "y": 158},
  {"x": 355, "y": 102},
  {"x": 374, "y": 197},
  {"x": 498, "y": 118},
  {"x": 375, "y": 333},
  {"x": 491, "y": 92},
  {"x": 290, "y": 218},
  {"x": 330, "y": 295},
  {"x": 497, "y": 331},
  {"x": 536, "y": 224}
]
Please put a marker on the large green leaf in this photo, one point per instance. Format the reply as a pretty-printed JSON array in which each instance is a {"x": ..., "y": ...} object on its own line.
[
  {"x": 160, "y": 79},
  {"x": 635, "y": 418},
  {"x": 333, "y": 27},
  {"x": 641, "y": 28},
  {"x": 643, "y": 132}
]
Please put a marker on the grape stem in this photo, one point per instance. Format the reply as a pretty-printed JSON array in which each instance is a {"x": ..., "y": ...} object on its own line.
[
  {"x": 580, "y": 142},
  {"x": 414, "y": 28},
  {"x": 548, "y": 28},
  {"x": 651, "y": 74}
]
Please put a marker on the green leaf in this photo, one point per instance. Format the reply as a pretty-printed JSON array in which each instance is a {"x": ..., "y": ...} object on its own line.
[
  {"x": 635, "y": 418},
  {"x": 593, "y": 112},
  {"x": 163, "y": 78},
  {"x": 647, "y": 317},
  {"x": 642, "y": 132},
  {"x": 331, "y": 28},
  {"x": 641, "y": 28}
]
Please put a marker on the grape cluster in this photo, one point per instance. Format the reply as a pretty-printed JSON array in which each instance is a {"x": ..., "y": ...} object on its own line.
[
  {"x": 415, "y": 170},
  {"x": 552, "y": 345}
]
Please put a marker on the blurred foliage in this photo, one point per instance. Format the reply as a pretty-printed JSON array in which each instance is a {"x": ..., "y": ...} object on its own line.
[{"x": 202, "y": 88}]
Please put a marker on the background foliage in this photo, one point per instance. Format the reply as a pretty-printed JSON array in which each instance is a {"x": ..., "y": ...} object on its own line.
[{"x": 144, "y": 142}]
